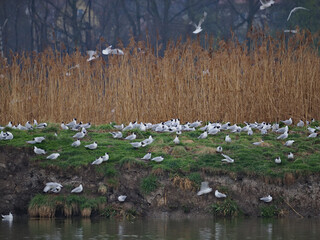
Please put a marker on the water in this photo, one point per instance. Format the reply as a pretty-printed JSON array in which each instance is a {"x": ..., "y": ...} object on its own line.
[{"x": 199, "y": 228}]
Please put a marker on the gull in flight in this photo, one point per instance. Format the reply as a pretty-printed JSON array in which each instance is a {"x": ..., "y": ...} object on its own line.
[
  {"x": 78, "y": 189},
  {"x": 219, "y": 194},
  {"x": 53, "y": 156},
  {"x": 198, "y": 27},
  {"x": 92, "y": 146},
  {"x": 204, "y": 188},
  {"x": 8, "y": 217},
  {"x": 266, "y": 199},
  {"x": 277, "y": 160},
  {"x": 265, "y": 4},
  {"x": 39, "y": 150},
  {"x": 290, "y": 31},
  {"x": 122, "y": 198},
  {"x": 115, "y": 51},
  {"x": 76, "y": 143},
  {"x": 296, "y": 9},
  {"x": 157, "y": 159},
  {"x": 147, "y": 156},
  {"x": 92, "y": 55},
  {"x": 227, "y": 159}
]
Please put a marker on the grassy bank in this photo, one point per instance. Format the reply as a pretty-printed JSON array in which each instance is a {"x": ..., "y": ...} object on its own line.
[
  {"x": 187, "y": 159},
  {"x": 274, "y": 78}
]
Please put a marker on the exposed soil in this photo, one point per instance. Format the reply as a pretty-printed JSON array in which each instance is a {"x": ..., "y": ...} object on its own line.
[{"x": 22, "y": 178}]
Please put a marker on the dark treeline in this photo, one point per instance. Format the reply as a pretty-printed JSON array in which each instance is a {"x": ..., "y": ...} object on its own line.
[{"x": 34, "y": 25}]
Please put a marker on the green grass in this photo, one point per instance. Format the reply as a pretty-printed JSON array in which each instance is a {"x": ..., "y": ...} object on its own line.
[
  {"x": 192, "y": 155},
  {"x": 149, "y": 184},
  {"x": 225, "y": 208}
]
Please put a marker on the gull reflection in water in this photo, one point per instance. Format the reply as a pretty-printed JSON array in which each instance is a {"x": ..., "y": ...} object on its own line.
[
  {"x": 269, "y": 230},
  {"x": 205, "y": 233},
  {"x": 78, "y": 233},
  {"x": 218, "y": 231}
]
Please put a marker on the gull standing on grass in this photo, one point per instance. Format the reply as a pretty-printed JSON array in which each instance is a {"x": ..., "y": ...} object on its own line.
[
  {"x": 266, "y": 199},
  {"x": 227, "y": 139},
  {"x": 98, "y": 161},
  {"x": 147, "y": 156},
  {"x": 287, "y": 122},
  {"x": 157, "y": 159},
  {"x": 283, "y": 136},
  {"x": 53, "y": 156},
  {"x": 204, "y": 188},
  {"x": 39, "y": 139},
  {"x": 219, "y": 149},
  {"x": 289, "y": 143},
  {"x": 313, "y": 135},
  {"x": 203, "y": 135},
  {"x": 258, "y": 143},
  {"x": 219, "y": 194},
  {"x": 277, "y": 160},
  {"x": 131, "y": 137},
  {"x": 76, "y": 143},
  {"x": 136, "y": 144},
  {"x": 265, "y": 4},
  {"x": 105, "y": 157},
  {"x": 198, "y": 27},
  {"x": 290, "y": 156},
  {"x": 176, "y": 140},
  {"x": 78, "y": 189},
  {"x": 296, "y": 9},
  {"x": 80, "y": 134},
  {"x": 92, "y": 146},
  {"x": 39, "y": 150}
]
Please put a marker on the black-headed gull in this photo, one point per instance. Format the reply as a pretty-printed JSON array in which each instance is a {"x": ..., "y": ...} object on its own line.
[
  {"x": 266, "y": 3},
  {"x": 53, "y": 156},
  {"x": 39, "y": 150},
  {"x": 122, "y": 198},
  {"x": 157, "y": 159},
  {"x": 76, "y": 143},
  {"x": 198, "y": 27},
  {"x": 8, "y": 217},
  {"x": 227, "y": 159},
  {"x": 176, "y": 140},
  {"x": 92, "y": 146},
  {"x": 277, "y": 160},
  {"x": 219, "y": 194},
  {"x": 204, "y": 189},
  {"x": 78, "y": 189},
  {"x": 147, "y": 156},
  {"x": 266, "y": 199},
  {"x": 289, "y": 143}
]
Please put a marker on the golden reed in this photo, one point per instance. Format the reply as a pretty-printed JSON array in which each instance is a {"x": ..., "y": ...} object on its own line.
[{"x": 268, "y": 80}]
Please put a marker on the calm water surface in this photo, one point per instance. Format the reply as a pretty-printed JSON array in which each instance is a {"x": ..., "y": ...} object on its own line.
[{"x": 164, "y": 228}]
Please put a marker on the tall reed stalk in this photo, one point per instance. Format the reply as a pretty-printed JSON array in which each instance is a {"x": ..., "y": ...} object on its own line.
[{"x": 266, "y": 80}]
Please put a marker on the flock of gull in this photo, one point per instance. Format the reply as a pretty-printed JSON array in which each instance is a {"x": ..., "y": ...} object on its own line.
[{"x": 172, "y": 126}]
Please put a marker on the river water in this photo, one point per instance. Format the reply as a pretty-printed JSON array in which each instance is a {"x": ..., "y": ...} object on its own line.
[{"x": 164, "y": 228}]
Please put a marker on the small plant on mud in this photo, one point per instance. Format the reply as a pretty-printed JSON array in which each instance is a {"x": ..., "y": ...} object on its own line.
[
  {"x": 149, "y": 184},
  {"x": 227, "y": 208},
  {"x": 195, "y": 177},
  {"x": 269, "y": 211}
]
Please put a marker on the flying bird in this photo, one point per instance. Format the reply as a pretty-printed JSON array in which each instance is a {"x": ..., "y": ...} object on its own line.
[
  {"x": 198, "y": 27},
  {"x": 227, "y": 159},
  {"x": 265, "y": 4},
  {"x": 296, "y": 9},
  {"x": 204, "y": 189}
]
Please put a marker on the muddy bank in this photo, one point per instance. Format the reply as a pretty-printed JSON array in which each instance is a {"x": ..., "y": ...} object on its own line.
[{"x": 22, "y": 178}]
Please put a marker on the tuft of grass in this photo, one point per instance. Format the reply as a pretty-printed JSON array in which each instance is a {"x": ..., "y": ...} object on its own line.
[
  {"x": 149, "y": 184},
  {"x": 226, "y": 208},
  {"x": 269, "y": 211}
]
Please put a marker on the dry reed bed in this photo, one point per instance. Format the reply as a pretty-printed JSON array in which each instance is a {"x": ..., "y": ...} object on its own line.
[{"x": 276, "y": 79}]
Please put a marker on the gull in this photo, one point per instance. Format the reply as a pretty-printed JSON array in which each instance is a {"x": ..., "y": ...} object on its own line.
[
  {"x": 72, "y": 123},
  {"x": 41, "y": 125},
  {"x": 266, "y": 199},
  {"x": 116, "y": 134},
  {"x": 157, "y": 159},
  {"x": 287, "y": 122},
  {"x": 295, "y": 9},
  {"x": 39, "y": 139},
  {"x": 31, "y": 141},
  {"x": 136, "y": 144},
  {"x": 219, "y": 149},
  {"x": 147, "y": 156},
  {"x": 9, "y": 125},
  {"x": 105, "y": 157},
  {"x": 53, "y": 156},
  {"x": 250, "y": 132},
  {"x": 78, "y": 189},
  {"x": 290, "y": 155},
  {"x": 97, "y": 161},
  {"x": 313, "y": 135},
  {"x": 198, "y": 27},
  {"x": 39, "y": 150},
  {"x": 119, "y": 127},
  {"x": 86, "y": 125},
  {"x": 80, "y": 134},
  {"x": 213, "y": 131},
  {"x": 311, "y": 130},
  {"x": 142, "y": 127},
  {"x": 147, "y": 141},
  {"x": 76, "y": 143},
  {"x": 203, "y": 135},
  {"x": 131, "y": 137},
  {"x": 289, "y": 143},
  {"x": 283, "y": 136},
  {"x": 204, "y": 188},
  {"x": 56, "y": 189},
  {"x": 92, "y": 146},
  {"x": 290, "y": 31},
  {"x": 63, "y": 126},
  {"x": 92, "y": 55},
  {"x": 176, "y": 140},
  {"x": 258, "y": 143},
  {"x": 219, "y": 194},
  {"x": 227, "y": 159},
  {"x": 122, "y": 198},
  {"x": 115, "y": 51},
  {"x": 9, "y": 136},
  {"x": 20, "y": 127},
  {"x": 265, "y": 4},
  {"x": 8, "y": 217},
  {"x": 51, "y": 185},
  {"x": 227, "y": 139},
  {"x": 282, "y": 130},
  {"x": 196, "y": 123},
  {"x": 277, "y": 160},
  {"x": 300, "y": 123}
]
